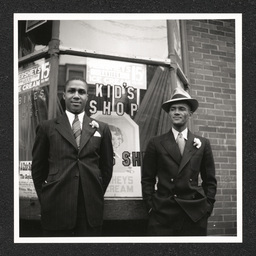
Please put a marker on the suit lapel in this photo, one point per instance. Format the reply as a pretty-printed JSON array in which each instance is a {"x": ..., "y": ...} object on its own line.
[
  {"x": 87, "y": 131},
  {"x": 171, "y": 147},
  {"x": 189, "y": 151},
  {"x": 63, "y": 127}
]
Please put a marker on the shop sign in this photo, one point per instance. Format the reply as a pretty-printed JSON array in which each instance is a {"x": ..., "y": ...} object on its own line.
[
  {"x": 38, "y": 75},
  {"x": 116, "y": 99},
  {"x": 116, "y": 73}
]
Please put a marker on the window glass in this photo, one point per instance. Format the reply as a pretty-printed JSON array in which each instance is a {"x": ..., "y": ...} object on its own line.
[
  {"x": 141, "y": 38},
  {"x": 128, "y": 96},
  {"x": 33, "y": 108}
]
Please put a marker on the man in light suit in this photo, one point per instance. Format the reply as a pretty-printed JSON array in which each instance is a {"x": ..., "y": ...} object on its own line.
[
  {"x": 177, "y": 204},
  {"x": 72, "y": 167}
]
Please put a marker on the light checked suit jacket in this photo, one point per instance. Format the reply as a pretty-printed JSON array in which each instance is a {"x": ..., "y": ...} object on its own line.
[
  {"x": 58, "y": 165},
  {"x": 177, "y": 187}
]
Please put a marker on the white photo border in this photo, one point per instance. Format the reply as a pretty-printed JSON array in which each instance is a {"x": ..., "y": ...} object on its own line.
[{"x": 113, "y": 16}]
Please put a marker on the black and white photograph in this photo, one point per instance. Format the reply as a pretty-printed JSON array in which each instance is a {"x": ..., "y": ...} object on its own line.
[{"x": 128, "y": 128}]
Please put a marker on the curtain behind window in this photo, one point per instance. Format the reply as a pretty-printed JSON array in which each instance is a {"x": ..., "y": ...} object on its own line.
[
  {"x": 152, "y": 120},
  {"x": 33, "y": 109}
]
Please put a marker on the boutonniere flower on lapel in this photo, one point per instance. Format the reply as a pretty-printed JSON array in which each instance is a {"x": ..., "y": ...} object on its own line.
[
  {"x": 197, "y": 143},
  {"x": 94, "y": 124}
]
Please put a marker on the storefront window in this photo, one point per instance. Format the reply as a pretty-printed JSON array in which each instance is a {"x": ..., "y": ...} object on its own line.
[
  {"x": 33, "y": 108},
  {"x": 127, "y": 96},
  {"x": 130, "y": 38}
]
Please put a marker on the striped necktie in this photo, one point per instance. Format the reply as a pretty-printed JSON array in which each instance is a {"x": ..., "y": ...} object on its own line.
[
  {"x": 181, "y": 142},
  {"x": 76, "y": 128}
]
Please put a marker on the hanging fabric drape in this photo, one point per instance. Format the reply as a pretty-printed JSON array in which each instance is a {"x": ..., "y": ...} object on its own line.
[
  {"x": 33, "y": 109},
  {"x": 152, "y": 120},
  {"x": 164, "y": 120}
]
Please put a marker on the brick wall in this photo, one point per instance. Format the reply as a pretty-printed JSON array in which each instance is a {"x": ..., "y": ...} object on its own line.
[{"x": 211, "y": 46}]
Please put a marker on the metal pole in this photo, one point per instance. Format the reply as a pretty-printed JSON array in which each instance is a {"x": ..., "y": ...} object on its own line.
[{"x": 54, "y": 62}]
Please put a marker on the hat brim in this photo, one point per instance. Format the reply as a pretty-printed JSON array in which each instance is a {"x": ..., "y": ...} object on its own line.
[{"x": 193, "y": 103}]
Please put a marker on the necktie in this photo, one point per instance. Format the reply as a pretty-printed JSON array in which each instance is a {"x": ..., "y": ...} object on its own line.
[
  {"x": 76, "y": 128},
  {"x": 181, "y": 142}
]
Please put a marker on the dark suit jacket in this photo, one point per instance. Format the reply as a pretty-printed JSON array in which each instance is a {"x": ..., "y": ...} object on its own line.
[
  {"x": 177, "y": 187},
  {"x": 58, "y": 165}
]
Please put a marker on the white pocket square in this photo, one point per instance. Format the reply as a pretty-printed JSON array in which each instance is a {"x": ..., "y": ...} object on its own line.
[{"x": 97, "y": 134}]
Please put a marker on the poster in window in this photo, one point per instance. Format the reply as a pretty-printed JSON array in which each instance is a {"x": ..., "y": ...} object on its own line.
[
  {"x": 127, "y": 158},
  {"x": 115, "y": 100},
  {"x": 33, "y": 108}
]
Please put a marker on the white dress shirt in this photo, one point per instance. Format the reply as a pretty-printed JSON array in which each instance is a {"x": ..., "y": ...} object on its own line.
[
  {"x": 71, "y": 118},
  {"x": 176, "y": 133}
]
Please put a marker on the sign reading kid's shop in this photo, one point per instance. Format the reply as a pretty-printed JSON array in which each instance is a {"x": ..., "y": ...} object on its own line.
[{"x": 116, "y": 98}]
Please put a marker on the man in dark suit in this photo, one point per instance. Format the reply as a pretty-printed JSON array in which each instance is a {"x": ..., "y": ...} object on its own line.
[
  {"x": 72, "y": 167},
  {"x": 177, "y": 204}
]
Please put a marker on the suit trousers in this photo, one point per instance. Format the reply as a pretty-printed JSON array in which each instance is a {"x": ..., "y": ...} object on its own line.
[
  {"x": 82, "y": 227},
  {"x": 185, "y": 227}
]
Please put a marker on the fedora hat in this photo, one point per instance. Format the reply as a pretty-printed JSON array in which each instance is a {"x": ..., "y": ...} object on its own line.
[{"x": 180, "y": 95}]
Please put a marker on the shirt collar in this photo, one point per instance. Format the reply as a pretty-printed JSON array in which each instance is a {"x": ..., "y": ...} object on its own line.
[
  {"x": 184, "y": 133},
  {"x": 71, "y": 117}
]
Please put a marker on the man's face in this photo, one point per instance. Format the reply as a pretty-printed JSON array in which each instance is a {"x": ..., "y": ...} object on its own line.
[
  {"x": 180, "y": 114},
  {"x": 75, "y": 96}
]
